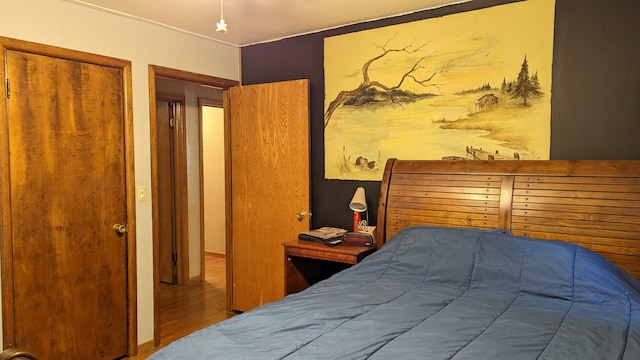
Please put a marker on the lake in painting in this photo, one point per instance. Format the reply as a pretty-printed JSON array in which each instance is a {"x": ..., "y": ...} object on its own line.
[{"x": 432, "y": 128}]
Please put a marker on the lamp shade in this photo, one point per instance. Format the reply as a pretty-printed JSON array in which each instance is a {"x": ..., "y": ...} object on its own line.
[{"x": 359, "y": 201}]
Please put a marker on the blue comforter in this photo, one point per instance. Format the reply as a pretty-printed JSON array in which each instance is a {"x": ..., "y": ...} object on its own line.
[{"x": 436, "y": 293}]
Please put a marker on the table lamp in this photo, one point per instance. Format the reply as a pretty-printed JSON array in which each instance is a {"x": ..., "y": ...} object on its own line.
[{"x": 359, "y": 205}]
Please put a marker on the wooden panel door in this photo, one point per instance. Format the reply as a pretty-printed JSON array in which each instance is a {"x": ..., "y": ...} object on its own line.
[
  {"x": 166, "y": 193},
  {"x": 170, "y": 162},
  {"x": 66, "y": 178},
  {"x": 269, "y": 144}
]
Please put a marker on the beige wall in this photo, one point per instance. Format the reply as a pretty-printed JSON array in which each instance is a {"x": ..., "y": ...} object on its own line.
[
  {"x": 72, "y": 26},
  {"x": 214, "y": 187}
]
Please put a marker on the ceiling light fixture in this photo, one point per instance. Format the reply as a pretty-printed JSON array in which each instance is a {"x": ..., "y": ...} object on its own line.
[{"x": 221, "y": 26}]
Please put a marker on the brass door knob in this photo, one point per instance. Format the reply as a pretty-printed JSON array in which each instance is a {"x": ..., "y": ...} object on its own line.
[
  {"x": 300, "y": 215},
  {"x": 120, "y": 229}
]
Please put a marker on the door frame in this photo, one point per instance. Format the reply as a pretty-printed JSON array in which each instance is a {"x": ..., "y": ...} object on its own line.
[
  {"x": 8, "y": 321},
  {"x": 180, "y": 75}
]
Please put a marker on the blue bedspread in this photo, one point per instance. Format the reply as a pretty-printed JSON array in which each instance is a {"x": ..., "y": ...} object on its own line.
[{"x": 436, "y": 293}]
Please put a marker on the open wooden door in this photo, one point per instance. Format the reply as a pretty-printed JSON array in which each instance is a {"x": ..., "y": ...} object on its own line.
[
  {"x": 269, "y": 185},
  {"x": 167, "y": 254},
  {"x": 171, "y": 191}
]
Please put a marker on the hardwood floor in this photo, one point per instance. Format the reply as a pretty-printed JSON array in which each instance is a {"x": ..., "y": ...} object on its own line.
[{"x": 185, "y": 309}]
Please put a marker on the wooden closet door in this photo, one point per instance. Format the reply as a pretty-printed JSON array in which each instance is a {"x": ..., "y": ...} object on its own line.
[
  {"x": 269, "y": 136},
  {"x": 66, "y": 178}
]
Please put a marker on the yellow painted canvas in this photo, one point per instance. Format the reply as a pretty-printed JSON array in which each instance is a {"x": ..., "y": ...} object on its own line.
[{"x": 472, "y": 85}]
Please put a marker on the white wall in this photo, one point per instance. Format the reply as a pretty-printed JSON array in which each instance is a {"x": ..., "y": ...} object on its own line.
[{"x": 72, "y": 26}]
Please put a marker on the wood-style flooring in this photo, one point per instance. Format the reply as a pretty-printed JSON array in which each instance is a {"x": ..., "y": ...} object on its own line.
[{"x": 185, "y": 309}]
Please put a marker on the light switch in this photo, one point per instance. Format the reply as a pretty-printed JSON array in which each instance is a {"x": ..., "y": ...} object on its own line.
[{"x": 142, "y": 193}]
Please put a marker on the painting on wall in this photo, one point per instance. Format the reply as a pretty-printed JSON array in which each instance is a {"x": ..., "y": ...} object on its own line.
[{"x": 472, "y": 85}]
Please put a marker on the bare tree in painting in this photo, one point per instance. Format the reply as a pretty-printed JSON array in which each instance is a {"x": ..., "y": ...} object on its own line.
[{"x": 411, "y": 74}]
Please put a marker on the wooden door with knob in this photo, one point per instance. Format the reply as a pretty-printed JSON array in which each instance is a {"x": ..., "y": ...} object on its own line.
[
  {"x": 269, "y": 192},
  {"x": 67, "y": 232}
]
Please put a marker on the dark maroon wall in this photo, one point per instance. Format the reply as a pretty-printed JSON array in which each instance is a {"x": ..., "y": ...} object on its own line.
[{"x": 595, "y": 107}]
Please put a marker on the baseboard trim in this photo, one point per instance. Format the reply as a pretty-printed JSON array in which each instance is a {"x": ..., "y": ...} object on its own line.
[
  {"x": 210, "y": 253},
  {"x": 144, "y": 347}
]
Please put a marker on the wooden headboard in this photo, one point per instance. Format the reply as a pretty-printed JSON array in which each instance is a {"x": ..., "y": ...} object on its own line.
[{"x": 593, "y": 203}]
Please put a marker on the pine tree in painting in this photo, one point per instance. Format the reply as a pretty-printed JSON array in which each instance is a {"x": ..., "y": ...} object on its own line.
[{"x": 525, "y": 86}]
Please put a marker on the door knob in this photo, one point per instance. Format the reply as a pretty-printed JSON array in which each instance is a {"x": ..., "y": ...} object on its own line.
[
  {"x": 300, "y": 215},
  {"x": 120, "y": 229}
]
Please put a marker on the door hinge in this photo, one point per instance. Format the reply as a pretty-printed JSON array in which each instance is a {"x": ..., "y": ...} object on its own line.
[
  {"x": 8, "y": 89},
  {"x": 174, "y": 258},
  {"x": 172, "y": 122}
]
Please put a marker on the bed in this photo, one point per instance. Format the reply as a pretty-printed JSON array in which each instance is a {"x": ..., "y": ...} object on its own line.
[{"x": 476, "y": 260}]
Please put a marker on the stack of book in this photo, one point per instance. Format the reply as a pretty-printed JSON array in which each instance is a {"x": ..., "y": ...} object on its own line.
[{"x": 322, "y": 234}]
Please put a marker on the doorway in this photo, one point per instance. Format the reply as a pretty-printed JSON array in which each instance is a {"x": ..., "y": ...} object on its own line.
[
  {"x": 213, "y": 178},
  {"x": 193, "y": 243}
]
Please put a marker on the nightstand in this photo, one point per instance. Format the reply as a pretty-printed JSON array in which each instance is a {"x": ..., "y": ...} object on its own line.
[{"x": 307, "y": 262}]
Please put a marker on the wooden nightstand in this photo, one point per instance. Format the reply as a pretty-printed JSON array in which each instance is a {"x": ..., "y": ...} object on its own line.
[{"x": 307, "y": 262}]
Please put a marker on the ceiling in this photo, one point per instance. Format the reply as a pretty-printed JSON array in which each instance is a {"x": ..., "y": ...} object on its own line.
[{"x": 255, "y": 21}]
